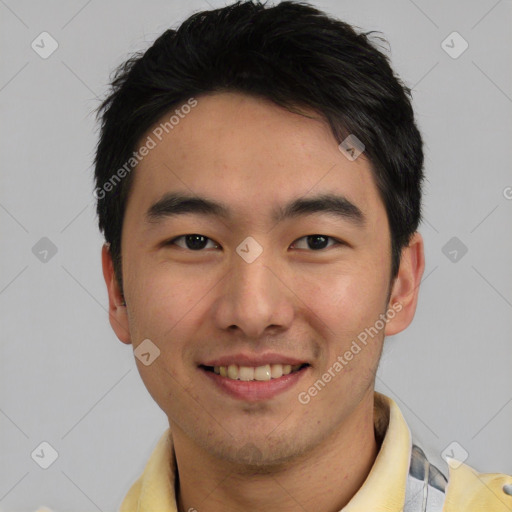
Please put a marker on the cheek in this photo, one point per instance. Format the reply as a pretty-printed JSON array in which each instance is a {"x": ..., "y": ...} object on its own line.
[
  {"x": 347, "y": 300},
  {"x": 162, "y": 294},
  {"x": 165, "y": 306},
  {"x": 171, "y": 306},
  {"x": 347, "y": 305}
]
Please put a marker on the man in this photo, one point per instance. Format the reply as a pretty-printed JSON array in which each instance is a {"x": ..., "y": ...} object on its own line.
[{"x": 258, "y": 178}]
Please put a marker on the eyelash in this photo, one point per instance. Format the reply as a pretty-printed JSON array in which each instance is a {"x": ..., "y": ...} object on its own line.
[{"x": 337, "y": 242}]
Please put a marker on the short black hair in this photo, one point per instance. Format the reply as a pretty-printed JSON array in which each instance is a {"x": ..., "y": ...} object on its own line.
[{"x": 291, "y": 54}]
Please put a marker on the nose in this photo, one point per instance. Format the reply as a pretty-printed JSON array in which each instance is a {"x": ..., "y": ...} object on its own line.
[{"x": 255, "y": 297}]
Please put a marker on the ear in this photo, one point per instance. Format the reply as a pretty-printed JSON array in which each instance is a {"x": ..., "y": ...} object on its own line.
[
  {"x": 117, "y": 312},
  {"x": 405, "y": 289}
]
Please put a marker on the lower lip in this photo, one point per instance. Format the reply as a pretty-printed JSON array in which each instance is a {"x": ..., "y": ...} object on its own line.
[{"x": 255, "y": 390}]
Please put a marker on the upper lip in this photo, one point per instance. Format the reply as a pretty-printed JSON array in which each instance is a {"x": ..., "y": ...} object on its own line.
[{"x": 254, "y": 360}]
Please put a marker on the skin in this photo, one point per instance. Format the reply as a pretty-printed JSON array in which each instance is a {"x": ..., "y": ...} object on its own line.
[{"x": 293, "y": 299}]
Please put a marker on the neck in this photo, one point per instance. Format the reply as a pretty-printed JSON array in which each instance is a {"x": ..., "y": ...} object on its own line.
[{"x": 324, "y": 479}]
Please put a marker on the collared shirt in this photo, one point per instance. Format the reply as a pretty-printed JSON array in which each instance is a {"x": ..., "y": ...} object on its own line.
[{"x": 401, "y": 478}]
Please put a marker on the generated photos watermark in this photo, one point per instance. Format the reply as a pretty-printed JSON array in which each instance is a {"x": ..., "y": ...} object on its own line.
[
  {"x": 150, "y": 143},
  {"x": 304, "y": 397}
]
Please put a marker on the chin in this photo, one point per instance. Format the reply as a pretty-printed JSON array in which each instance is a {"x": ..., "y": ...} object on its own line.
[{"x": 261, "y": 455}]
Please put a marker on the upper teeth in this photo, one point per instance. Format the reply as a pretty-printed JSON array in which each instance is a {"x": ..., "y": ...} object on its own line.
[{"x": 266, "y": 372}]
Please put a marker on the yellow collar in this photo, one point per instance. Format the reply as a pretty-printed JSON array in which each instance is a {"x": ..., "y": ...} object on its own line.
[{"x": 383, "y": 490}]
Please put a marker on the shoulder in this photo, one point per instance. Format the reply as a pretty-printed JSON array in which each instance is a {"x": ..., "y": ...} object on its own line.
[
  {"x": 465, "y": 489},
  {"x": 469, "y": 490}
]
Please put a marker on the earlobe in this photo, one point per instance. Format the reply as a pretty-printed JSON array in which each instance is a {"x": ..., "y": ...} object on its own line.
[
  {"x": 404, "y": 294},
  {"x": 117, "y": 312}
]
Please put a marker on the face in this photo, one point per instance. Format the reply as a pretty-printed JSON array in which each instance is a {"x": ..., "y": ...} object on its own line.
[{"x": 252, "y": 288}]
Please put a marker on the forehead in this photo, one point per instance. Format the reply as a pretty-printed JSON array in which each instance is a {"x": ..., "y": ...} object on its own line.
[{"x": 250, "y": 154}]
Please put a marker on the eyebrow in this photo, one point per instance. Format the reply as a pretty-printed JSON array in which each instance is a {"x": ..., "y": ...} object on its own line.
[{"x": 175, "y": 204}]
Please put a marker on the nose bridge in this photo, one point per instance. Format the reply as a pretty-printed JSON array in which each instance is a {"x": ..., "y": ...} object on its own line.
[
  {"x": 255, "y": 298},
  {"x": 250, "y": 280}
]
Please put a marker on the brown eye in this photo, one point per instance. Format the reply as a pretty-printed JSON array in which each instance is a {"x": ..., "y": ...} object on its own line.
[
  {"x": 192, "y": 242},
  {"x": 317, "y": 242}
]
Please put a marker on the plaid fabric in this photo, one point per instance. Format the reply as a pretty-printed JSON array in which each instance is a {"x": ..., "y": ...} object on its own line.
[{"x": 425, "y": 488}]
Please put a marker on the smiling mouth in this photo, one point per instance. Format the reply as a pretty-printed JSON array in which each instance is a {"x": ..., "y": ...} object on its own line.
[{"x": 250, "y": 373}]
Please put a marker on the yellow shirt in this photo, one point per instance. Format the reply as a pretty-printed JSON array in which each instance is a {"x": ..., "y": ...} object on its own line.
[{"x": 383, "y": 490}]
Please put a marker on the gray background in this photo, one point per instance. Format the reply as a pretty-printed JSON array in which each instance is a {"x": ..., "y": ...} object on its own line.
[{"x": 67, "y": 380}]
